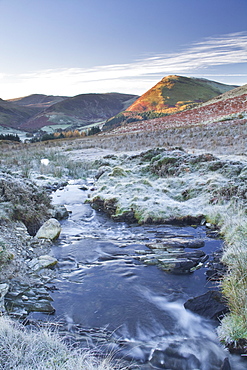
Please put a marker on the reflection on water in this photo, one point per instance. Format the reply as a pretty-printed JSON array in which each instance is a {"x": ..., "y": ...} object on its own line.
[{"x": 137, "y": 310}]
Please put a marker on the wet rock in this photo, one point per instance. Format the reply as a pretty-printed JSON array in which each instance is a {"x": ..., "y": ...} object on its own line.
[
  {"x": 172, "y": 360},
  {"x": 108, "y": 205},
  {"x": 178, "y": 265},
  {"x": 128, "y": 217},
  {"x": 186, "y": 354},
  {"x": 3, "y": 291},
  {"x": 60, "y": 212},
  {"x": 49, "y": 230},
  {"x": 83, "y": 187},
  {"x": 22, "y": 299},
  {"x": 170, "y": 255},
  {"x": 177, "y": 243},
  {"x": 226, "y": 365},
  {"x": 238, "y": 347},
  {"x": 42, "y": 262},
  {"x": 211, "y": 305},
  {"x": 216, "y": 270},
  {"x": 185, "y": 220}
]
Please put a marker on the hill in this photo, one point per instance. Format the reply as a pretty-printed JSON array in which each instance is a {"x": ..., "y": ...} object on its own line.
[
  {"x": 176, "y": 93},
  {"x": 39, "y": 101},
  {"x": 80, "y": 111},
  {"x": 230, "y": 106},
  {"x": 13, "y": 115}
]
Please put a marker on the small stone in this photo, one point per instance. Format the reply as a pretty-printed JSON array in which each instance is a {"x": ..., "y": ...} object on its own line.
[
  {"x": 42, "y": 262},
  {"x": 47, "y": 261}
]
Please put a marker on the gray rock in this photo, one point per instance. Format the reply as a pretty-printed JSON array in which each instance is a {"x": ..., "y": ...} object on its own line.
[
  {"x": 211, "y": 305},
  {"x": 226, "y": 365},
  {"x": 42, "y": 262},
  {"x": 170, "y": 255},
  {"x": 3, "y": 291},
  {"x": 49, "y": 230},
  {"x": 60, "y": 212},
  {"x": 22, "y": 299}
]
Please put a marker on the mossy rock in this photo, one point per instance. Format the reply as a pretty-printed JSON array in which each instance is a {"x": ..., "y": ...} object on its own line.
[{"x": 118, "y": 171}]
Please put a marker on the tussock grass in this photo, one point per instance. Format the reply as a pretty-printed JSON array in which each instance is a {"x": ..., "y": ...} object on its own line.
[
  {"x": 233, "y": 225},
  {"x": 22, "y": 349}
]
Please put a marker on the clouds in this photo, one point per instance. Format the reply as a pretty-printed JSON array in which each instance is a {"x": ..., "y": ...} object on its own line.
[{"x": 136, "y": 76}]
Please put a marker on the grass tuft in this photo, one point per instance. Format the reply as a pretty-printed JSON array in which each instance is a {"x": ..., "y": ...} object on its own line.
[{"x": 23, "y": 349}]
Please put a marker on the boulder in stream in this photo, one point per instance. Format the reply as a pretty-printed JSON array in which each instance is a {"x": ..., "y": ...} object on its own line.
[
  {"x": 49, "y": 230},
  {"x": 60, "y": 212},
  {"x": 211, "y": 305}
]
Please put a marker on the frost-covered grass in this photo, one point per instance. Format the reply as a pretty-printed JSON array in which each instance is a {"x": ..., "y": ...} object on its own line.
[
  {"x": 22, "y": 349},
  {"x": 168, "y": 185},
  {"x": 26, "y": 159},
  {"x": 233, "y": 226}
]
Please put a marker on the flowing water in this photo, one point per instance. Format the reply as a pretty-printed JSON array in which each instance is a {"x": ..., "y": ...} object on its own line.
[{"x": 113, "y": 302}]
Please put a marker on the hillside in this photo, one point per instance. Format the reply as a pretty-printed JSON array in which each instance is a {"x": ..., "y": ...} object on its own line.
[
  {"x": 80, "y": 111},
  {"x": 176, "y": 93},
  {"x": 39, "y": 101},
  {"x": 230, "y": 106},
  {"x": 13, "y": 115}
]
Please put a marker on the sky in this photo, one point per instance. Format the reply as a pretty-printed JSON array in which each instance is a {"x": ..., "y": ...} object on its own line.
[{"x": 71, "y": 47}]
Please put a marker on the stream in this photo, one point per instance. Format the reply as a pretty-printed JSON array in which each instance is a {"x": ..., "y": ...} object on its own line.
[{"x": 107, "y": 299}]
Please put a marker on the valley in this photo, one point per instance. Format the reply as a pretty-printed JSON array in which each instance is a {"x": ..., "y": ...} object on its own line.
[{"x": 132, "y": 193}]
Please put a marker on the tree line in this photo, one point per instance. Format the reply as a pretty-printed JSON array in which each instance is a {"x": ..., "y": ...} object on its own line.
[
  {"x": 10, "y": 137},
  {"x": 65, "y": 134}
]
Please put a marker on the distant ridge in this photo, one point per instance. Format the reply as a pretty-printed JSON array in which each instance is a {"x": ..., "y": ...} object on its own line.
[
  {"x": 80, "y": 111},
  {"x": 37, "y": 100},
  {"x": 13, "y": 115}
]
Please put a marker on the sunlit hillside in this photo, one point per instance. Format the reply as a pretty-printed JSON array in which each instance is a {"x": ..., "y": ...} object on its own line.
[{"x": 176, "y": 93}]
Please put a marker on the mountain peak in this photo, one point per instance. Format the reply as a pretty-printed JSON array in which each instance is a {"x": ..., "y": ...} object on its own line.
[{"x": 176, "y": 93}]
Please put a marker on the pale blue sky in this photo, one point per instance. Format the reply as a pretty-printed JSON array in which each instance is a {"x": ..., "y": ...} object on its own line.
[{"x": 69, "y": 47}]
